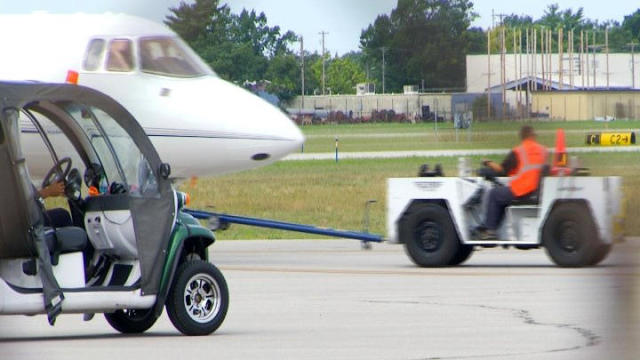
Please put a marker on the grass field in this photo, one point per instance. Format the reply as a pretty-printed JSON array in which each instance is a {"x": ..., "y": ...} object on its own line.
[
  {"x": 424, "y": 136},
  {"x": 330, "y": 194}
]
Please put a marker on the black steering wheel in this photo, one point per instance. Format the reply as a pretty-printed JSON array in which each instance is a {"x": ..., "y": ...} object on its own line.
[
  {"x": 490, "y": 175},
  {"x": 57, "y": 173}
]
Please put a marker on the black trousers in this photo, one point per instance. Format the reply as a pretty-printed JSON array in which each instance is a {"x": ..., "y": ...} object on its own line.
[
  {"x": 57, "y": 218},
  {"x": 499, "y": 198}
]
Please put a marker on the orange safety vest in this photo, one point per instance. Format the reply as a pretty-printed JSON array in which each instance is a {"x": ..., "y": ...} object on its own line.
[{"x": 531, "y": 158}]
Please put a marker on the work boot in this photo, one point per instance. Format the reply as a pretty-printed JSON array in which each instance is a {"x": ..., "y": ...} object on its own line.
[{"x": 487, "y": 234}]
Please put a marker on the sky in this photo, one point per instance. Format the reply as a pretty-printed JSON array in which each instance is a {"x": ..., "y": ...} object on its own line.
[{"x": 344, "y": 20}]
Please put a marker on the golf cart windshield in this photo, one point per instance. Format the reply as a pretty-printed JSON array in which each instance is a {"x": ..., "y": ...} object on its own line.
[{"x": 120, "y": 157}]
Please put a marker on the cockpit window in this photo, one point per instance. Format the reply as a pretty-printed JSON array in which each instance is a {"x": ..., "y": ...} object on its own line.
[
  {"x": 95, "y": 49},
  {"x": 120, "y": 57},
  {"x": 170, "y": 57}
]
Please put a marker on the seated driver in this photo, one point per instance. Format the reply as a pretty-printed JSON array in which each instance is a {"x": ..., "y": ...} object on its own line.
[
  {"x": 57, "y": 217},
  {"x": 523, "y": 166}
]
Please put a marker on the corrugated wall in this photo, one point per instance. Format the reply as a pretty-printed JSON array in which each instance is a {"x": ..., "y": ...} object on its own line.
[{"x": 581, "y": 105}]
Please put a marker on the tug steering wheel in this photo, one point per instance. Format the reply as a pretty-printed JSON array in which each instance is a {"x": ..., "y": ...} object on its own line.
[{"x": 489, "y": 174}]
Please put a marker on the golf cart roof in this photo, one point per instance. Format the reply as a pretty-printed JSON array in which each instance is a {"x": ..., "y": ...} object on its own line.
[{"x": 23, "y": 94}]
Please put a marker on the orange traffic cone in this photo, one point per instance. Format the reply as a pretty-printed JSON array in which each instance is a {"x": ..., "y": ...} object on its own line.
[{"x": 559, "y": 165}]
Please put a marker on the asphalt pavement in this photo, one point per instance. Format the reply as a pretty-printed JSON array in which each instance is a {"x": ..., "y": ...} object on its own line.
[{"x": 328, "y": 299}]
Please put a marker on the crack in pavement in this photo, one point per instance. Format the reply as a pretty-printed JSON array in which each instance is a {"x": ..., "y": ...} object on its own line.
[{"x": 590, "y": 337}]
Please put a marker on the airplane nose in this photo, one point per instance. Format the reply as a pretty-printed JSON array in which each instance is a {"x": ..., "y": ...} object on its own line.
[
  {"x": 251, "y": 131},
  {"x": 256, "y": 117}
]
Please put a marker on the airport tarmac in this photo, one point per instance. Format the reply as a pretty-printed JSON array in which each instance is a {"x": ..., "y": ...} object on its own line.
[{"x": 328, "y": 299}]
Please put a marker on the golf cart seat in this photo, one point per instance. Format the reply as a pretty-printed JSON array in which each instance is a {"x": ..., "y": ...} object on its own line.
[
  {"x": 533, "y": 199},
  {"x": 65, "y": 240}
]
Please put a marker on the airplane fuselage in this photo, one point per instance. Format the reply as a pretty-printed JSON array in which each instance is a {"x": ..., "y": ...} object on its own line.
[{"x": 201, "y": 124}]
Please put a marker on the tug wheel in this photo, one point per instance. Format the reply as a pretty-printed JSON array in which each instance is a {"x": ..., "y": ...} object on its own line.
[
  {"x": 430, "y": 238},
  {"x": 601, "y": 253},
  {"x": 570, "y": 237},
  {"x": 464, "y": 252}
]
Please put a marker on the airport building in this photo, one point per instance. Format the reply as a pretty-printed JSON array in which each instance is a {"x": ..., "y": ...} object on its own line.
[
  {"x": 568, "y": 87},
  {"x": 587, "y": 105},
  {"x": 587, "y": 71}
]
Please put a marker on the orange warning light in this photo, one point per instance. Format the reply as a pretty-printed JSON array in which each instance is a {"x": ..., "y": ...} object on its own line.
[{"x": 72, "y": 77}]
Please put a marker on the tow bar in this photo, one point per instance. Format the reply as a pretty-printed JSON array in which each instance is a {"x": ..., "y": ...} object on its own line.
[{"x": 222, "y": 221}]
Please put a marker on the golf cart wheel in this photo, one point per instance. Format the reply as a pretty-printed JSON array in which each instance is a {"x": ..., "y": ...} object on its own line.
[
  {"x": 464, "y": 252},
  {"x": 570, "y": 236},
  {"x": 430, "y": 238},
  {"x": 199, "y": 298},
  {"x": 131, "y": 321}
]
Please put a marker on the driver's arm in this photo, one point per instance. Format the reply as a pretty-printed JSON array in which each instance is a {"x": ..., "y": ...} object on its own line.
[
  {"x": 494, "y": 166},
  {"x": 53, "y": 190},
  {"x": 509, "y": 164}
]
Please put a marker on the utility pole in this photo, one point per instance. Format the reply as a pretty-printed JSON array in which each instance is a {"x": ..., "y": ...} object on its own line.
[
  {"x": 549, "y": 58},
  {"x": 302, "y": 70},
  {"x": 560, "y": 59},
  {"x": 593, "y": 40},
  {"x": 582, "y": 56},
  {"x": 543, "y": 55},
  {"x": 323, "y": 33},
  {"x": 384, "y": 49},
  {"x": 633, "y": 64},
  {"x": 515, "y": 70},
  {"x": 503, "y": 70},
  {"x": 489, "y": 73},
  {"x": 528, "y": 61},
  {"x": 586, "y": 56},
  {"x": 606, "y": 48},
  {"x": 534, "y": 55},
  {"x": 570, "y": 49}
]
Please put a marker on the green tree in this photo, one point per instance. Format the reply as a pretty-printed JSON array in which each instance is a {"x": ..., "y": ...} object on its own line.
[
  {"x": 238, "y": 47},
  {"x": 203, "y": 20},
  {"x": 631, "y": 23},
  {"x": 284, "y": 73},
  {"x": 421, "y": 40},
  {"x": 343, "y": 75},
  {"x": 476, "y": 40}
]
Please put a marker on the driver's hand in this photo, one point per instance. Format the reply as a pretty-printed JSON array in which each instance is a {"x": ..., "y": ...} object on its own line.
[
  {"x": 53, "y": 190},
  {"x": 486, "y": 162}
]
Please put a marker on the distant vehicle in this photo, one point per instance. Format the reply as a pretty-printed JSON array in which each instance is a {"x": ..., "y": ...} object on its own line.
[
  {"x": 128, "y": 249},
  {"x": 200, "y": 124}
]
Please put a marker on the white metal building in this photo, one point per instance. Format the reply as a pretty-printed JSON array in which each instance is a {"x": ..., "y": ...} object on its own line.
[{"x": 599, "y": 70}]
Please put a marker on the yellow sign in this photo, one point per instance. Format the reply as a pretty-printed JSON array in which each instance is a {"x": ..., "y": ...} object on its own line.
[{"x": 611, "y": 138}]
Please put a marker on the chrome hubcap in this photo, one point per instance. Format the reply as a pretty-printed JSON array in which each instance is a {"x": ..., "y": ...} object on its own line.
[{"x": 202, "y": 298}]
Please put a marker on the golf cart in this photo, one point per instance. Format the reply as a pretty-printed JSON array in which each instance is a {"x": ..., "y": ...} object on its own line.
[
  {"x": 127, "y": 250},
  {"x": 575, "y": 218}
]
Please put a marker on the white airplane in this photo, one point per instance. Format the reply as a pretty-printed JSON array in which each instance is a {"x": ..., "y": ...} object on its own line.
[{"x": 200, "y": 124}]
